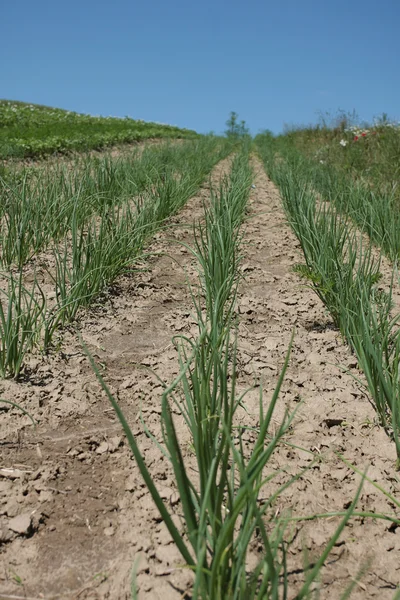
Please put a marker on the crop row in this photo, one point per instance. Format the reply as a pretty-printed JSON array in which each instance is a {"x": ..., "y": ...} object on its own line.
[
  {"x": 340, "y": 267},
  {"x": 95, "y": 228},
  {"x": 40, "y": 204},
  {"x": 228, "y": 509},
  {"x": 222, "y": 479},
  {"x": 373, "y": 204}
]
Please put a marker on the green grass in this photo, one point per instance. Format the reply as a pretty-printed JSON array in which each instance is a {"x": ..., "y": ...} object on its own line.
[
  {"x": 368, "y": 153},
  {"x": 31, "y": 130},
  {"x": 359, "y": 175}
]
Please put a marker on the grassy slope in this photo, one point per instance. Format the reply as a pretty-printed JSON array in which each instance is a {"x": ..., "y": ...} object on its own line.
[
  {"x": 29, "y": 130},
  {"x": 369, "y": 154},
  {"x": 356, "y": 168}
]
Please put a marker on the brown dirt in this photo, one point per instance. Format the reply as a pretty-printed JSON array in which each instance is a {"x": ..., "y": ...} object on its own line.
[
  {"x": 70, "y": 157},
  {"x": 85, "y": 514}
]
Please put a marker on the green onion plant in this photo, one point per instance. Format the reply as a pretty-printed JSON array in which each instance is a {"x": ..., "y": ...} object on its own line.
[{"x": 223, "y": 513}]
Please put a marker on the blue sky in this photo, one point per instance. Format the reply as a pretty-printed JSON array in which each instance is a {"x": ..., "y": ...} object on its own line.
[{"x": 191, "y": 63}]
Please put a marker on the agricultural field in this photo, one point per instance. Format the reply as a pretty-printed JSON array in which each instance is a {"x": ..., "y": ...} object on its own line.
[
  {"x": 199, "y": 371},
  {"x": 31, "y": 131}
]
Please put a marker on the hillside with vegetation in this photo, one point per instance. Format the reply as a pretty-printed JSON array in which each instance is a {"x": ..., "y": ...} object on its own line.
[{"x": 32, "y": 130}]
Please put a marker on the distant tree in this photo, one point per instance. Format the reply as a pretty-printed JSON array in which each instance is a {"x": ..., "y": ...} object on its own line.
[
  {"x": 232, "y": 125},
  {"x": 234, "y": 128},
  {"x": 243, "y": 130},
  {"x": 266, "y": 132}
]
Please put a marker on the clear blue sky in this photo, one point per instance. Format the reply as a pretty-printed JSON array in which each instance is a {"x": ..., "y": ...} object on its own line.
[{"x": 190, "y": 63}]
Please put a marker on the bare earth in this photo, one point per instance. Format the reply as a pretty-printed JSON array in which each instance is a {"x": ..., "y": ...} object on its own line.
[
  {"x": 74, "y": 513},
  {"x": 70, "y": 157}
]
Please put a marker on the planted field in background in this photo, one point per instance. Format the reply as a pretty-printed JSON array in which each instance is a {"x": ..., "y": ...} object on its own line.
[
  {"x": 31, "y": 130},
  {"x": 41, "y": 204},
  {"x": 367, "y": 153}
]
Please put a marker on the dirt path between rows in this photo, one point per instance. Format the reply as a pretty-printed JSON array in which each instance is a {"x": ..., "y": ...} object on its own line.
[{"x": 74, "y": 513}]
